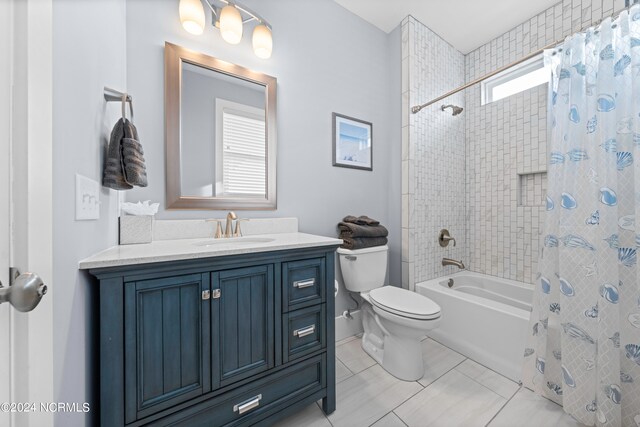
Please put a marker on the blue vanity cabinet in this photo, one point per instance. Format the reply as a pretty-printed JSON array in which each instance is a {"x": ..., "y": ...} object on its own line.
[
  {"x": 235, "y": 340},
  {"x": 166, "y": 343},
  {"x": 242, "y": 323}
]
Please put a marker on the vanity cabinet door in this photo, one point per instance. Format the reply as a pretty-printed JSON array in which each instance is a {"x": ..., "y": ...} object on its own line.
[
  {"x": 242, "y": 323},
  {"x": 166, "y": 343}
]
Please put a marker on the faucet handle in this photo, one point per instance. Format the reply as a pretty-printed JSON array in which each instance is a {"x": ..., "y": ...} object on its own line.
[
  {"x": 218, "y": 233},
  {"x": 238, "y": 232},
  {"x": 444, "y": 238}
]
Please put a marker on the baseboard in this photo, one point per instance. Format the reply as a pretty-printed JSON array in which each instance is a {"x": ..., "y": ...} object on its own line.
[{"x": 346, "y": 328}]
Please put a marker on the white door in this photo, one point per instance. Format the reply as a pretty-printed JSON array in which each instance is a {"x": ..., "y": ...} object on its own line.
[{"x": 26, "y": 342}]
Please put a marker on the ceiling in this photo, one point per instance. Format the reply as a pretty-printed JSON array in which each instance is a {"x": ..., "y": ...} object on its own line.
[{"x": 465, "y": 24}]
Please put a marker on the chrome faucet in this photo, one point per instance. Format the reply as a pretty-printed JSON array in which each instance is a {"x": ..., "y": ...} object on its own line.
[
  {"x": 449, "y": 261},
  {"x": 227, "y": 230}
]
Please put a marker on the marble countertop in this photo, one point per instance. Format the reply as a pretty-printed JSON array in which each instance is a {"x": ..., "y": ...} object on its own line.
[{"x": 180, "y": 249}]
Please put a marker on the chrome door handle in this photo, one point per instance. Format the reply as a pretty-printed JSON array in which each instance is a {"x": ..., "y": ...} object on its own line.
[
  {"x": 247, "y": 405},
  {"x": 304, "y": 283},
  {"x": 25, "y": 291},
  {"x": 303, "y": 332}
]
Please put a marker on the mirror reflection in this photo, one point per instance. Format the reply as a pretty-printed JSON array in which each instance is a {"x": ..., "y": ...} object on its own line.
[{"x": 223, "y": 135}]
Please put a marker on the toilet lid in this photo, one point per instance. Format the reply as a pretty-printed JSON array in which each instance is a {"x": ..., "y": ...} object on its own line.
[{"x": 404, "y": 303}]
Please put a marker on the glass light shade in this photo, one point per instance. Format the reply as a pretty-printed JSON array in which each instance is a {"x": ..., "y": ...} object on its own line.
[
  {"x": 192, "y": 16},
  {"x": 231, "y": 24},
  {"x": 262, "y": 41}
]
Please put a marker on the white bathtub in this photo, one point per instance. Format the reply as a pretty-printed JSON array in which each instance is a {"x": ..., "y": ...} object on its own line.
[{"x": 483, "y": 317}]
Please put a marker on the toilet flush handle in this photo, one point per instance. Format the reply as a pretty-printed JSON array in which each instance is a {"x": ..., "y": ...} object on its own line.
[{"x": 351, "y": 257}]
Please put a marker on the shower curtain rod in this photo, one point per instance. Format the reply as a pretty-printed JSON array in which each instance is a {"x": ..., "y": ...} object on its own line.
[{"x": 417, "y": 108}]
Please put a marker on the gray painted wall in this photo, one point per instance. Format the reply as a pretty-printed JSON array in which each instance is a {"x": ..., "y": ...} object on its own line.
[
  {"x": 326, "y": 60},
  {"x": 88, "y": 54}
]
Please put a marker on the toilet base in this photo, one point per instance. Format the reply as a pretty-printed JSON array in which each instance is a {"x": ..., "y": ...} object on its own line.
[{"x": 399, "y": 354}]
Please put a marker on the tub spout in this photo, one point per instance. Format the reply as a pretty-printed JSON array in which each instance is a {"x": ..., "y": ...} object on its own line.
[{"x": 449, "y": 261}]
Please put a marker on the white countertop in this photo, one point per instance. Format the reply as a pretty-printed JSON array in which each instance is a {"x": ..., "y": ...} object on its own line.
[{"x": 180, "y": 249}]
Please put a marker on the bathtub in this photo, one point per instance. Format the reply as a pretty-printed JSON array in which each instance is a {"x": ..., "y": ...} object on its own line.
[{"x": 483, "y": 317}]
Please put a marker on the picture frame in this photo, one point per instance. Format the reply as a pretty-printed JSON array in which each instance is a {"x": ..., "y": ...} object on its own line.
[{"x": 352, "y": 142}]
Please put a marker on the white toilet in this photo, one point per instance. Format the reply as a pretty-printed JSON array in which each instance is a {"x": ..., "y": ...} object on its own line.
[{"x": 394, "y": 319}]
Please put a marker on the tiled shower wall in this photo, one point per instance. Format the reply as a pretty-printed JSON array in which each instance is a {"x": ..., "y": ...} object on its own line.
[
  {"x": 433, "y": 155},
  {"x": 505, "y": 149}
]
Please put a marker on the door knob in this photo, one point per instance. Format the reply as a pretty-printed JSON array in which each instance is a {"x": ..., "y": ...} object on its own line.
[{"x": 25, "y": 291}]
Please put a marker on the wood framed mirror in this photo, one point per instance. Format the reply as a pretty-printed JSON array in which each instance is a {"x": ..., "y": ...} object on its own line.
[{"x": 220, "y": 131}]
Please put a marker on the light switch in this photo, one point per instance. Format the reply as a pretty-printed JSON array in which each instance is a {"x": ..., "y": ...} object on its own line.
[{"x": 87, "y": 198}]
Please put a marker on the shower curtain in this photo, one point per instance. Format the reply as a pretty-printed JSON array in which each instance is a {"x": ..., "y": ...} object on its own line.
[{"x": 584, "y": 346}]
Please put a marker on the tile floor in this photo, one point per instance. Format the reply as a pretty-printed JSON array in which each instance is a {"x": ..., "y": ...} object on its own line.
[{"x": 454, "y": 391}]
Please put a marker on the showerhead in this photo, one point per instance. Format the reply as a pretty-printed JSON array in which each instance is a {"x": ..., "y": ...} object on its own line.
[{"x": 454, "y": 109}]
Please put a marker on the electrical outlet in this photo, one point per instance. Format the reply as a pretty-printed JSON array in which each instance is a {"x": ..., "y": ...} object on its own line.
[{"x": 87, "y": 198}]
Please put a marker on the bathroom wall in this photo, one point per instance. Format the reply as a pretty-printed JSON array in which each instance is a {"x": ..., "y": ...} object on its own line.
[
  {"x": 326, "y": 60},
  {"x": 88, "y": 54},
  {"x": 506, "y": 144},
  {"x": 433, "y": 157}
]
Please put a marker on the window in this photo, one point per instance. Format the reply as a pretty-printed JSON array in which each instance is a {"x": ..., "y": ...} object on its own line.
[
  {"x": 241, "y": 157},
  {"x": 515, "y": 79}
]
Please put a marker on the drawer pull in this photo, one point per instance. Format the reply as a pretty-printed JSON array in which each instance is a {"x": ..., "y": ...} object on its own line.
[
  {"x": 247, "y": 405},
  {"x": 303, "y": 332},
  {"x": 304, "y": 283}
]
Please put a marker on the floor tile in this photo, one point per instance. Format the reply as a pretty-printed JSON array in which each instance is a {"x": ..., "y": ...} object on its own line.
[
  {"x": 368, "y": 396},
  {"x": 346, "y": 340},
  {"x": 527, "y": 409},
  {"x": 488, "y": 378},
  {"x": 353, "y": 356},
  {"x": 452, "y": 400},
  {"x": 438, "y": 360},
  {"x": 390, "y": 420},
  {"x": 311, "y": 416},
  {"x": 342, "y": 373}
]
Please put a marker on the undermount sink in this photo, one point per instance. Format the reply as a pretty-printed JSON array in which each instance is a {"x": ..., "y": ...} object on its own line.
[{"x": 234, "y": 241}]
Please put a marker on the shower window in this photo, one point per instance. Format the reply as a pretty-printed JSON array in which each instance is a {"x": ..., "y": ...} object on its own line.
[{"x": 515, "y": 79}]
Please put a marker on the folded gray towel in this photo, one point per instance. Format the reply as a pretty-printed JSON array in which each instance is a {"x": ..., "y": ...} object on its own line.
[
  {"x": 361, "y": 220},
  {"x": 362, "y": 242},
  {"x": 113, "y": 176},
  {"x": 124, "y": 166},
  {"x": 348, "y": 229}
]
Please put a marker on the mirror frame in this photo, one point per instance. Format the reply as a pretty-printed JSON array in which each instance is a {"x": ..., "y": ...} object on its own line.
[{"x": 174, "y": 56}]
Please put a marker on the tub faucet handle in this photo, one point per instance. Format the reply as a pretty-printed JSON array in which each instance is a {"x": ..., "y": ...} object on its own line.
[{"x": 444, "y": 238}]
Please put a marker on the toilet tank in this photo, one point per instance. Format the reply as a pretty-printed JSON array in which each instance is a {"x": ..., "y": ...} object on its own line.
[{"x": 363, "y": 269}]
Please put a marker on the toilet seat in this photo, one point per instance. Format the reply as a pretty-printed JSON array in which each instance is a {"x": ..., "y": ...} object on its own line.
[{"x": 404, "y": 303}]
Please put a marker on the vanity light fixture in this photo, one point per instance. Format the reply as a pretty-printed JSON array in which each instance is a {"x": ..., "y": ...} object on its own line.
[
  {"x": 192, "y": 16},
  {"x": 229, "y": 19}
]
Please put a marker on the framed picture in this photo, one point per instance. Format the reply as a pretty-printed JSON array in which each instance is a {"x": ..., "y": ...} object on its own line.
[{"x": 352, "y": 143}]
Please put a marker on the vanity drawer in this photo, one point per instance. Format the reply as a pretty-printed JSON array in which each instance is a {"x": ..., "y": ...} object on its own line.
[
  {"x": 246, "y": 405},
  {"x": 303, "y": 283},
  {"x": 304, "y": 332}
]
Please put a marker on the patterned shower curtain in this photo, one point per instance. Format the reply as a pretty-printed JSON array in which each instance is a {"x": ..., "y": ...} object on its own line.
[{"x": 584, "y": 348}]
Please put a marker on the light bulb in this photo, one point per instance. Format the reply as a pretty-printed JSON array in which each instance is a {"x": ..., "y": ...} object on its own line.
[
  {"x": 192, "y": 16},
  {"x": 231, "y": 24},
  {"x": 262, "y": 41}
]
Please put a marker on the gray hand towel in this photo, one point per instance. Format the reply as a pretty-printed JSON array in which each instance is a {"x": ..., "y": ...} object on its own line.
[
  {"x": 124, "y": 166},
  {"x": 135, "y": 172},
  {"x": 113, "y": 176}
]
